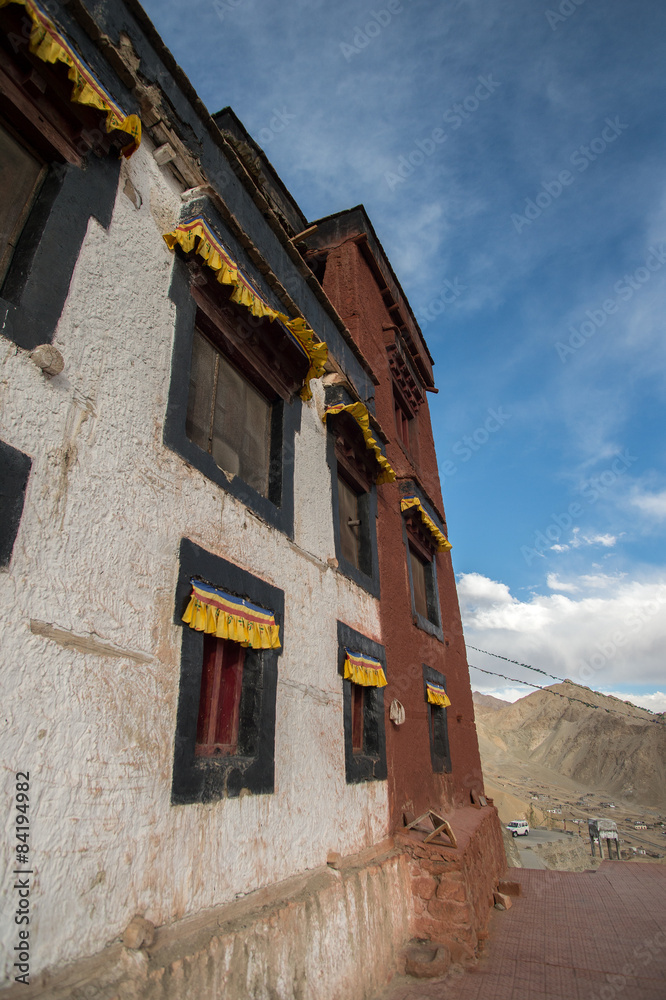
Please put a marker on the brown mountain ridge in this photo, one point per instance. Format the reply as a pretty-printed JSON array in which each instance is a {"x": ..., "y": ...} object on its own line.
[{"x": 622, "y": 752}]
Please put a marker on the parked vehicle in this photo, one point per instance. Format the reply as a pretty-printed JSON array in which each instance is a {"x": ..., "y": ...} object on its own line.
[{"x": 518, "y": 827}]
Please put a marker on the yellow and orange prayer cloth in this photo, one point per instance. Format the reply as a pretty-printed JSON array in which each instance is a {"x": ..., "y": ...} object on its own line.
[
  {"x": 443, "y": 544},
  {"x": 51, "y": 46},
  {"x": 362, "y": 417},
  {"x": 437, "y": 695},
  {"x": 365, "y": 670},
  {"x": 195, "y": 234},
  {"x": 228, "y": 617}
]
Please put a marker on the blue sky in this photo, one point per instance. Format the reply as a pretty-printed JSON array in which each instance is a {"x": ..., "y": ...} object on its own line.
[{"x": 511, "y": 158}]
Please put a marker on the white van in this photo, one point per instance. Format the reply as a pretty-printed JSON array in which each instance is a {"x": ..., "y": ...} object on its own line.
[{"x": 518, "y": 827}]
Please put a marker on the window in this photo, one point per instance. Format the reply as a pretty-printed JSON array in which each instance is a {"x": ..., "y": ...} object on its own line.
[
  {"x": 420, "y": 571},
  {"x": 421, "y": 558},
  {"x": 437, "y": 723},
  {"x": 46, "y": 199},
  {"x": 14, "y": 474},
  {"x": 350, "y": 504},
  {"x": 425, "y": 604},
  {"x": 233, "y": 409},
  {"x": 225, "y": 724},
  {"x": 219, "y": 702},
  {"x": 358, "y": 706},
  {"x": 353, "y": 472},
  {"x": 363, "y": 712},
  {"x": 227, "y": 416},
  {"x": 21, "y": 175},
  {"x": 403, "y": 421}
]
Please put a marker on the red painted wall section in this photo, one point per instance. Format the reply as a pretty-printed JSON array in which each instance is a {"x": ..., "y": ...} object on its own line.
[{"x": 413, "y": 786}]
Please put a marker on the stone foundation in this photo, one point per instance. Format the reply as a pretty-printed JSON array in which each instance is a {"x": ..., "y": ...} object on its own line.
[
  {"x": 329, "y": 933},
  {"x": 453, "y": 888}
]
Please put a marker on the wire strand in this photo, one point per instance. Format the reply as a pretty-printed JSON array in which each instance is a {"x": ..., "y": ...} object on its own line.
[{"x": 567, "y": 697}]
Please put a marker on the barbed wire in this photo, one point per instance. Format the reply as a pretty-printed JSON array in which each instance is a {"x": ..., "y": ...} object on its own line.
[{"x": 567, "y": 697}]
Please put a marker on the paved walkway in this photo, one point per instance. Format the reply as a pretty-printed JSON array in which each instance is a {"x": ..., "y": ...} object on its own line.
[{"x": 571, "y": 936}]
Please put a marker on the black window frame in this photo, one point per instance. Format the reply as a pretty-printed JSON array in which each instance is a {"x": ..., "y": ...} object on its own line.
[
  {"x": 370, "y": 764},
  {"x": 433, "y": 626},
  {"x": 198, "y": 778},
  {"x": 277, "y": 508},
  {"x": 437, "y": 720},
  {"x": 76, "y": 186},
  {"x": 15, "y": 469},
  {"x": 362, "y": 482}
]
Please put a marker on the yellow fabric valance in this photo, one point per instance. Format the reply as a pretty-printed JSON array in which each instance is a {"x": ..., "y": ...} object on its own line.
[
  {"x": 437, "y": 695},
  {"x": 360, "y": 414},
  {"x": 49, "y": 45},
  {"x": 227, "y": 617},
  {"x": 365, "y": 670},
  {"x": 196, "y": 234},
  {"x": 443, "y": 544}
]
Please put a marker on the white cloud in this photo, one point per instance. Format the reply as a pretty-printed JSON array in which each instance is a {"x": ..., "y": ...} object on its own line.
[
  {"x": 652, "y": 504},
  {"x": 579, "y": 540},
  {"x": 655, "y": 702},
  {"x": 611, "y": 635},
  {"x": 554, "y": 583}
]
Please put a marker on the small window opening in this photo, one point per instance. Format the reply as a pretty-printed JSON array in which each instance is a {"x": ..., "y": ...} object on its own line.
[
  {"x": 219, "y": 703},
  {"x": 228, "y": 417},
  {"x": 358, "y": 708}
]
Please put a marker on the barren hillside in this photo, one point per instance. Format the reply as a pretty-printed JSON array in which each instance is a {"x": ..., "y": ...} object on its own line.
[{"x": 624, "y": 755}]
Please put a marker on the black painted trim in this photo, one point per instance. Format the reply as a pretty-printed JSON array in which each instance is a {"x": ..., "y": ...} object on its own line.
[
  {"x": 37, "y": 282},
  {"x": 370, "y": 765},
  {"x": 433, "y": 628},
  {"x": 440, "y": 765},
  {"x": 278, "y": 508},
  {"x": 205, "y": 779},
  {"x": 14, "y": 474}
]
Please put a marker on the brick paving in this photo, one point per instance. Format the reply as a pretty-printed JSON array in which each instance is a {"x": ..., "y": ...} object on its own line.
[{"x": 570, "y": 936}]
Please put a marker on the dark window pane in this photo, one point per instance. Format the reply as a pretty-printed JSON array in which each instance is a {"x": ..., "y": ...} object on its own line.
[
  {"x": 358, "y": 701},
  {"x": 349, "y": 523},
  {"x": 402, "y": 422},
  {"x": 221, "y": 681},
  {"x": 202, "y": 383},
  {"x": 19, "y": 175},
  {"x": 439, "y": 741},
  {"x": 241, "y": 428},
  {"x": 419, "y": 570},
  {"x": 231, "y": 676}
]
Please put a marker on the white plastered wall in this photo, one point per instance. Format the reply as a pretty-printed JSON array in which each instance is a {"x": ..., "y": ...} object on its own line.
[{"x": 97, "y": 554}]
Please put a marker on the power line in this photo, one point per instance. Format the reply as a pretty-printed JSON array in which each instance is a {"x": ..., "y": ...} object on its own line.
[
  {"x": 519, "y": 664},
  {"x": 537, "y": 670},
  {"x": 549, "y": 690}
]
